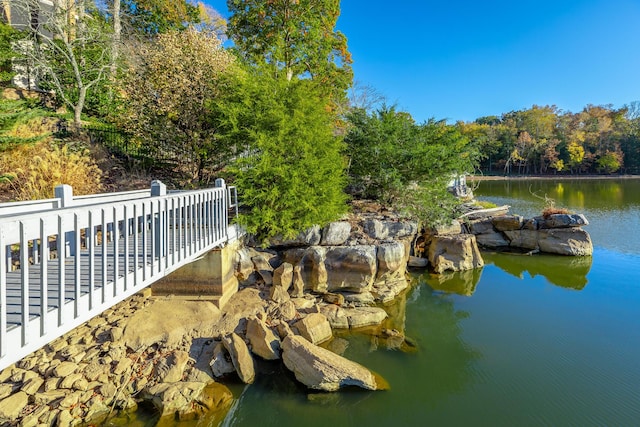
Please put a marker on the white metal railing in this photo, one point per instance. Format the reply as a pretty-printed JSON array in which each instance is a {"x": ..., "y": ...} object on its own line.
[{"x": 62, "y": 266}]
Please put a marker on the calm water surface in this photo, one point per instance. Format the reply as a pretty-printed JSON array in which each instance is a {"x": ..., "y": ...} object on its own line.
[{"x": 526, "y": 341}]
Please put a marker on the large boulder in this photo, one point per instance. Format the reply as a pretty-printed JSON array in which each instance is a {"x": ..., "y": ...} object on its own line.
[
  {"x": 308, "y": 237},
  {"x": 524, "y": 239},
  {"x": 188, "y": 400},
  {"x": 169, "y": 321},
  {"x": 455, "y": 253},
  {"x": 309, "y": 268},
  {"x": 508, "y": 222},
  {"x": 562, "y": 221},
  {"x": 481, "y": 226},
  {"x": 263, "y": 268},
  {"x": 565, "y": 241},
  {"x": 171, "y": 369},
  {"x": 240, "y": 356},
  {"x": 492, "y": 240},
  {"x": 454, "y": 227},
  {"x": 283, "y": 276},
  {"x": 392, "y": 259},
  {"x": 221, "y": 363},
  {"x": 264, "y": 342},
  {"x": 351, "y": 268},
  {"x": 314, "y": 327},
  {"x": 344, "y": 318},
  {"x": 335, "y": 233},
  {"x": 382, "y": 230},
  {"x": 321, "y": 369}
]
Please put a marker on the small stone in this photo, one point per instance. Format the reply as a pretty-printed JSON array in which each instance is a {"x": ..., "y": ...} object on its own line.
[
  {"x": 221, "y": 364},
  {"x": 108, "y": 390},
  {"x": 11, "y": 406},
  {"x": 171, "y": 369},
  {"x": 57, "y": 345},
  {"x": 67, "y": 382},
  {"x": 80, "y": 384},
  {"x": 64, "y": 369},
  {"x": 48, "y": 396},
  {"x": 27, "y": 363},
  {"x": 52, "y": 383},
  {"x": 278, "y": 294},
  {"x": 65, "y": 418},
  {"x": 116, "y": 334},
  {"x": 70, "y": 399},
  {"x": 49, "y": 417},
  {"x": 6, "y": 389},
  {"x": 330, "y": 298},
  {"x": 122, "y": 366},
  {"x": 32, "y": 385},
  {"x": 283, "y": 276},
  {"x": 18, "y": 375}
]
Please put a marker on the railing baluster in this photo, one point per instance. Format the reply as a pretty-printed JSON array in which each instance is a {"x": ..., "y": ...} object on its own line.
[
  {"x": 114, "y": 245},
  {"x": 143, "y": 241},
  {"x": 91, "y": 242},
  {"x": 44, "y": 278},
  {"x": 103, "y": 246},
  {"x": 77, "y": 270},
  {"x": 3, "y": 295},
  {"x": 24, "y": 276},
  {"x": 125, "y": 250},
  {"x": 136, "y": 251},
  {"x": 60, "y": 247}
]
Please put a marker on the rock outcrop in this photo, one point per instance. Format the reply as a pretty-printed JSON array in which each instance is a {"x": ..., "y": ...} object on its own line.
[
  {"x": 321, "y": 369},
  {"x": 559, "y": 234},
  {"x": 454, "y": 253}
]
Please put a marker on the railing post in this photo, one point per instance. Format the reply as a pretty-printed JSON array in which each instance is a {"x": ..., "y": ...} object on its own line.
[
  {"x": 224, "y": 222},
  {"x": 64, "y": 193},
  {"x": 158, "y": 189}
]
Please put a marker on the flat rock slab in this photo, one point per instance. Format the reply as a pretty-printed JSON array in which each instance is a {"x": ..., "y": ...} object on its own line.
[{"x": 168, "y": 321}]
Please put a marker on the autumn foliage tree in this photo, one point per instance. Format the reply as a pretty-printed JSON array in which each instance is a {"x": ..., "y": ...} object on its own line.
[{"x": 173, "y": 101}]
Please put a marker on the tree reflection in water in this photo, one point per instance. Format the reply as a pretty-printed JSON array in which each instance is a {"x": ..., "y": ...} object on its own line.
[{"x": 567, "y": 272}]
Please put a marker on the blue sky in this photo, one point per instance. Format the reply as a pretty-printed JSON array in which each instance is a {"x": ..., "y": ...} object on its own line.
[{"x": 463, "y": 59}]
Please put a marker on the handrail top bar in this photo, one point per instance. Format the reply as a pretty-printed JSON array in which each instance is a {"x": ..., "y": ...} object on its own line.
[
  {"x": 86, "y": 207},
  {"x": 28, "y": 206},
  {"x": 146, "y": 192}
]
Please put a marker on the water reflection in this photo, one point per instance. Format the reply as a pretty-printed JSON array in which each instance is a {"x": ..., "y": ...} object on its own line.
[
  {"x": 607, "y": 194},
  {"x": 459, "y": 282},
  {"x": 447, "y": 363},
  {"x": 567, "y": 272}
]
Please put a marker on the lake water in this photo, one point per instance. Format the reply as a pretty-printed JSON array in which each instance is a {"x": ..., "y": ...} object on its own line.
[{"x": 526, "y": 341}]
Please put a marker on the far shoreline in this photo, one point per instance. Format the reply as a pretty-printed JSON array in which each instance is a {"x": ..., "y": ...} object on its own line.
[{"x": 546, "y": 177}]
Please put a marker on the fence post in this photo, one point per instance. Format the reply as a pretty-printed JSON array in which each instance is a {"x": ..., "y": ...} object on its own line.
[
  {"x": 158, "y": 189},
  {"x": 64, "y": 193}
]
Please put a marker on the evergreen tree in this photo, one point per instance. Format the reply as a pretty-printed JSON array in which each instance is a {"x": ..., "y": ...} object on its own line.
[{"x": 292, "y": 174}]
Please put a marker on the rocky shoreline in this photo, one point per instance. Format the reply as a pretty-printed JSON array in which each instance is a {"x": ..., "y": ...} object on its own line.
[{"x": 174, "y": 353}]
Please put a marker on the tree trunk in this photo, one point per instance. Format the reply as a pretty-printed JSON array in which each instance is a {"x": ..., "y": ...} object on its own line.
[
  {"x": 117, "y": 30},
  {"x": 77, "y": 109}
]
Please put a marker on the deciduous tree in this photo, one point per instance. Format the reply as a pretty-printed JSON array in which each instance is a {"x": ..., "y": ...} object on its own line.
[
  {"x": 173, "y": 96},
  {"x": 296, "y": 38}
]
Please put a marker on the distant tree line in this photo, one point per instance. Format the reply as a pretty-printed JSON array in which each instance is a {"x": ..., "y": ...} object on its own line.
[{"x": 545, "y": 140}]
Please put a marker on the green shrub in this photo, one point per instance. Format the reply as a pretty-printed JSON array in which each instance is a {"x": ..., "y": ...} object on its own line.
[{"x": 292, "y": 174}]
